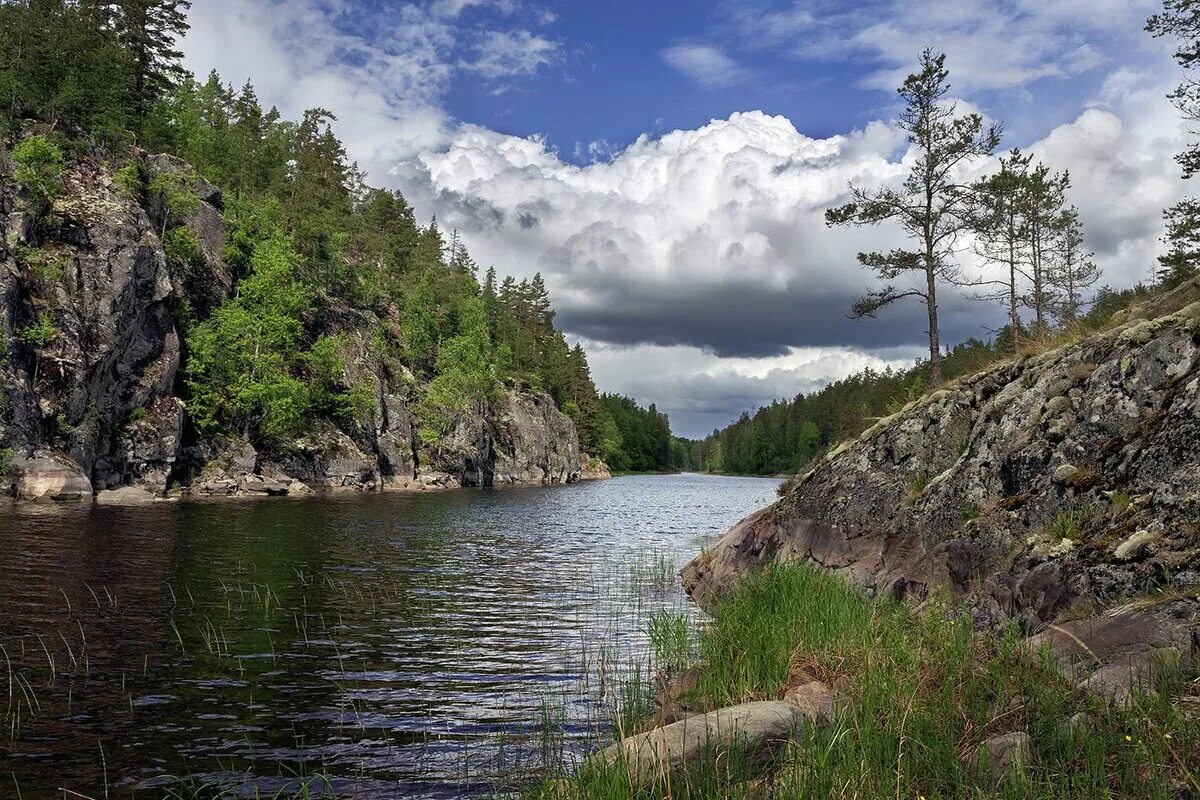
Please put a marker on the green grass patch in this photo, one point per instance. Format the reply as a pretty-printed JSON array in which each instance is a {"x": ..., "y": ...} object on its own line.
[{"x": 918, "y": 692}]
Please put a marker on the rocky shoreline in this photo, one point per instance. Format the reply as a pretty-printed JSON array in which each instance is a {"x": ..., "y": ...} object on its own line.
[
  {"x": 98, "y": 409},
  {"x": 1056, "y": 495}
]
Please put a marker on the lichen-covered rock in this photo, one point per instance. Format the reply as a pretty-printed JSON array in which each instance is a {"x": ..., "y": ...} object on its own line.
[
  {"x": 1062, "y": 459},
  {"x": 535, "y": 442},
  {"x": 593, "y": 469}
]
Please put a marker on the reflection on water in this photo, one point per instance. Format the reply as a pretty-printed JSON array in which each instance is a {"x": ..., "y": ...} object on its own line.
[{"x": 404, "y": 645}]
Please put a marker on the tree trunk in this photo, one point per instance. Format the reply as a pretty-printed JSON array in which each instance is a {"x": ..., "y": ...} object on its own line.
[
  {"x": 935, "y": 345},
  {"x": 1014, "y": 316}
]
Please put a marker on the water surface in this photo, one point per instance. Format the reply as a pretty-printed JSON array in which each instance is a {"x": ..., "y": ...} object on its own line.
[{"x": 403, "y": 645}]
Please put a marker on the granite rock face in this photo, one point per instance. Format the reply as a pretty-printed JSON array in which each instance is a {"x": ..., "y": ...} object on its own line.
[
  {"x": 1071, "y": 476},
  {"x": 93, "y": 349},
  {"x": 90, "y": 366}
]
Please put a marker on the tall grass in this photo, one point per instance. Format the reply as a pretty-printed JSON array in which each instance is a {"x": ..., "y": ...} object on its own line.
[{"x": 919, "y": 692}]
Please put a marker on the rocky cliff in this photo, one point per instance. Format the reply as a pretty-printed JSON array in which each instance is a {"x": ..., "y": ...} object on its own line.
[
  {"x": 1056, "y": 482},
  {"x": 91, "y": 313}
]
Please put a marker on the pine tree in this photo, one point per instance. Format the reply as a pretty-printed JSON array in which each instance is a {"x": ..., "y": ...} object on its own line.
[
  {"x": 149, "y": 31},
  {"x": 932, "y": 207},
  {"x": 1181, "y": 262},
  {"x": 1180, "y": 20},
  {"x": 1044, "y": 199},
  {"x": 1000, "y": 228},
  {"x": 1076, "y": 270}
]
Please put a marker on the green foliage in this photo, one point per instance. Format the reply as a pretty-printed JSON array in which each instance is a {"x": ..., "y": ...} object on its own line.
[
  {"x": 639, "y": 439},
  {"x": 181, "y": 247},
  {"x": 670, "y": 641},
  {"x": 39, "y": 166},
  {"x": 917, "y": 694},
  {"x": 916, "y": 487},
  {"x": 241, "y": 372},
  {"x": 60, "y": 63},
  {"x": 45, "y": 267},
  {"x": 969, "y": 512},
  {"x": 129, "y": 180},
  {"x": 464, "y": 373},
  {"x": 1068, "y": 524},
  {"x": 38, "y": 333},
  {"x": 174, "y": 196}
]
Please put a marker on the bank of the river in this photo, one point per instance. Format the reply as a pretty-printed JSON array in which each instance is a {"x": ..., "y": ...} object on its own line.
[
  {"x": 427, "y": 645},
  {"x": 825, "y": 693},
  {"x": 1049, "y": 502}
]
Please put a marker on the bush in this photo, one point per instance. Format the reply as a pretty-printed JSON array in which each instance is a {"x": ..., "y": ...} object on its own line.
[
  {"x": 129, "y": 180},
  {"x": 181, "y": 247},
  {"x": 38, "y": 333},
  {"x": 39, "y": 171}
]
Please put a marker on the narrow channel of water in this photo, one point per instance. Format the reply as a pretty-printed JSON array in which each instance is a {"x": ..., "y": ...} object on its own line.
[{"x": 403, "y": 645}]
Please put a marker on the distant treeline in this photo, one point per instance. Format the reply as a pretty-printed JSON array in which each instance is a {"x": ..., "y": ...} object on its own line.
[{"x": 787, "y": 435}]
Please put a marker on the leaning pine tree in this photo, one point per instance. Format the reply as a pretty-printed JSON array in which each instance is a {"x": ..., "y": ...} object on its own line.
[{"x": 931, "y": 206}]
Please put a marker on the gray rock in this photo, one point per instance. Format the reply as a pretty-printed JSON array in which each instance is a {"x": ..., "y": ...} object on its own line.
[
  {"x": 128, "y": 496},
  {"x": 535, "y": 442},
  {"x": 1001, "y": 758},
  {"x": 1113, "y": 652},
  {"x": 50, "y": 476},
  {"x": 1135, "y": 406},
  {"x": 757, "y": 730}
]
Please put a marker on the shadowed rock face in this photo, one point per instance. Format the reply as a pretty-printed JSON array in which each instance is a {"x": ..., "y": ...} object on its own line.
[
  {"x": 94, "y": 409},
  {"x": 1072, "y": 475}
]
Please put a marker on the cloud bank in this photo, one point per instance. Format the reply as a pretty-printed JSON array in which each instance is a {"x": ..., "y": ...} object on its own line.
[{"x": 695, "y": 266}]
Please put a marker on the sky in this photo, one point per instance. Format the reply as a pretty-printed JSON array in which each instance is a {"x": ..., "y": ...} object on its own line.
[{"x": 666, "y": 165}]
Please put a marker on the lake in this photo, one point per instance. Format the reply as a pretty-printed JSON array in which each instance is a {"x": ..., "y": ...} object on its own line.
[{"x": 425, "y": 645}]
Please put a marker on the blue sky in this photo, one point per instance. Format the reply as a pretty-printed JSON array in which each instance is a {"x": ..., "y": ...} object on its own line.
[
  {"x": 666, "y": 165},
  {"x": 626, "y": 68}
]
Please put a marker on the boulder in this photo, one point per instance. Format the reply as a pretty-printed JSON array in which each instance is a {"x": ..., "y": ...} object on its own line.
[
  {"x": 814, "y": 699},
  {"x": 128, "y": 496},
  {"x": 593, "y": 469},
  {"x": 1116, "y": 651},
  {"x": 50, "y": 476},
  {"x": 756, "y": 731}
]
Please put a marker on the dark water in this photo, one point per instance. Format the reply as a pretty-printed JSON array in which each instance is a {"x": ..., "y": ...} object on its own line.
[{"x": 403, "y": 646}]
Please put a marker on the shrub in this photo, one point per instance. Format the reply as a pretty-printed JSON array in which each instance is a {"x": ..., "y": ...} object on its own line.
[
  {"x": 39, "y": 171},
  {"x": 181, "y": 247},
  {"x": 128, "y": 180},
  {"x": 38, "y": 333},
  {"x": 916, "y": 486},
  {"x": 173, "y": 193}
]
